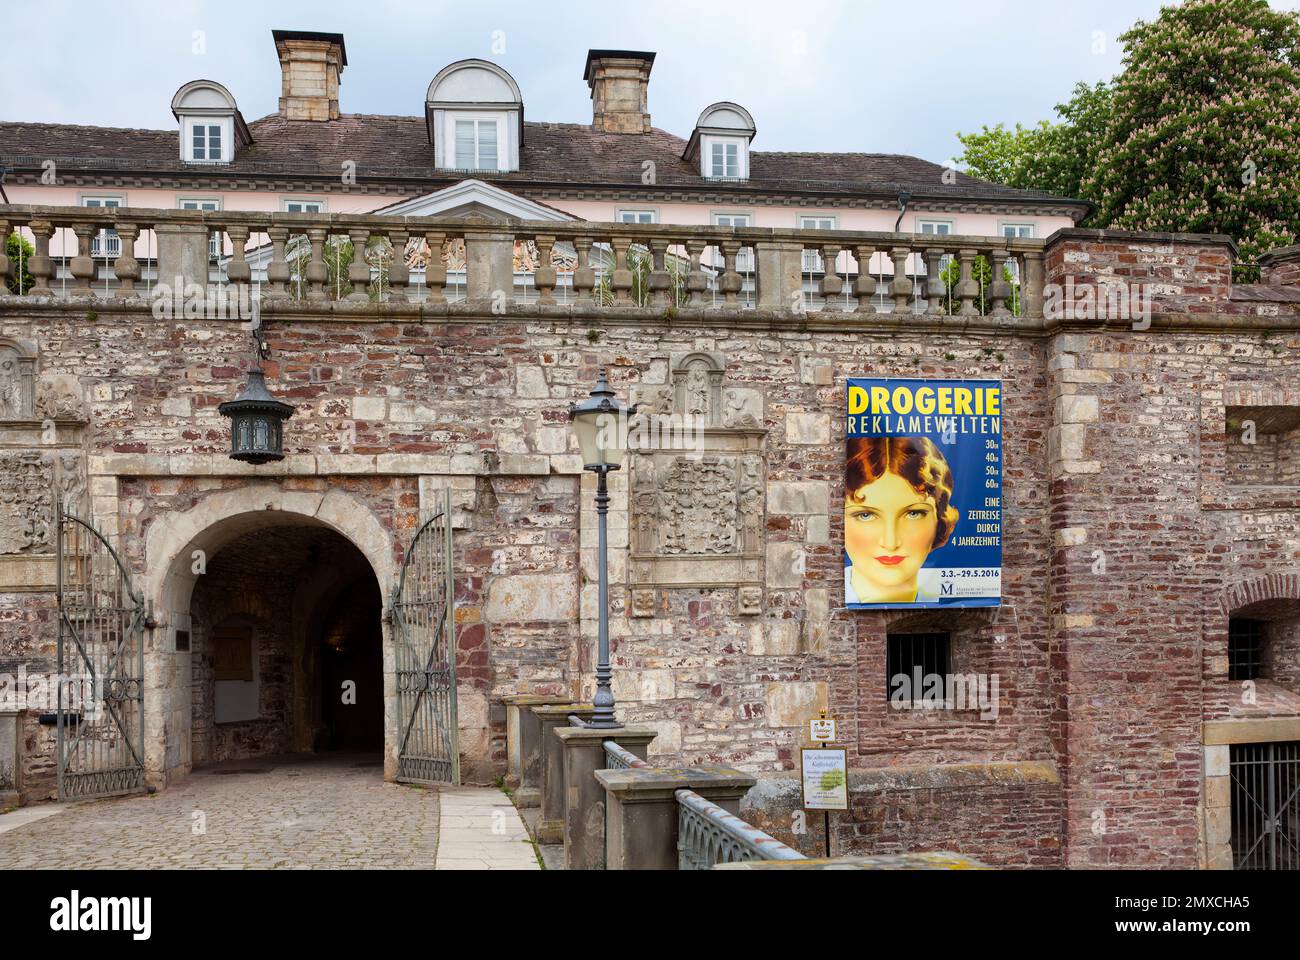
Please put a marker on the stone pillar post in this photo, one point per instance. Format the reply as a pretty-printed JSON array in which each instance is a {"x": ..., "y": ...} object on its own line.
[
  {"x": 641, "y": 810},
  {"x": 489, "y": 266},
  {"x": 584, "y": 796},
  {"x": 780, "y": 274},
  {"x": 550, "y": 821},
  {"x": 183, "y": 255},
  {"x": 523, "y": 748}
]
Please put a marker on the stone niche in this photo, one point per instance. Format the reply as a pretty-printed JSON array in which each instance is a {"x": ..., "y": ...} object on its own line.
[{"x": 697, "y": 496}]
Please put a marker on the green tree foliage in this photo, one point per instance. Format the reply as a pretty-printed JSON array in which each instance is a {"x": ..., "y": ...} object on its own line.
[
  {"x": 1206, "y": 123},
  {"x": 20, "y": 254},
  {"x": 1197, "y": 133}
]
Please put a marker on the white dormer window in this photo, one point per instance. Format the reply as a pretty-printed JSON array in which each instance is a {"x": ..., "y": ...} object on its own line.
[
  {"x": 207, "y": 141},
  {"x": 475, "y": 117},
  {"x": 724, "y": 159},
  {"x": 211, "y": 126},
  {"x": 477, "y": 142}
]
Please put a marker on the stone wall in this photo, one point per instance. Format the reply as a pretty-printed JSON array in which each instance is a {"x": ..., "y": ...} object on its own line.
[{"x": 1124, "y": 530}]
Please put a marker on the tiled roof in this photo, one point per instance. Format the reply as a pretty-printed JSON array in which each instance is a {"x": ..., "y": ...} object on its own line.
[{"x": 397, "y": 148}]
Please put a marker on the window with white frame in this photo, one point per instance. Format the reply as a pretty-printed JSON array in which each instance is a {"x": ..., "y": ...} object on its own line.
[
  {"x": 106, "y": 243},
  {"x": 304, "y": 206},
  {"x": 934, "y": 228},
  {"x": 745, "y": 258},
  {"x": 724, "y": 158},
  {"x": 637, "y": 216},
  {"x": 475, "y": 142},
  {"x": 207, "y": 141},
  {"x": 812, "y": 260},
  {"x": 1018, "y": 230},
  {"x": 198, "y": 203}
]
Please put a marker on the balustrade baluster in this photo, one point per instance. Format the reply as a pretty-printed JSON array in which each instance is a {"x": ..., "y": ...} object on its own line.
[
  {"x": 584, "y": 274},
  {"x": 934, "y": 285},
  {"x": 731, "y": 280},
  {"x": 435, "y": 271},
  {"x": 359, "y": 268},
  {"x": 42, "y": 264},
  {"x": 620, "y": 280},
  {"x": 999, "y": 288},
  {"x": 317, "y": 272},
  {"x": 82, "y": 266},
  {"x": 238, "y": 271},
  {"x": 864, "y": 287},
  {"x": 968, "y": 288},
  {"x": 696, "y": 281},
  {"x": 399, "y": 274},
  {"x": 659, "y": 282},
  {"x": 832, "y": 284},
  {"x": 901, "y": 287},
  {"x": 277, "y": 271},
  {"x": 126, "y": 267},
  {"x": 544, "y": 276}
]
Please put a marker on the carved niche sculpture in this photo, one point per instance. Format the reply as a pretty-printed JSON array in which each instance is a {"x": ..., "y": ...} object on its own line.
[
  {"x": 17, "y": 377},
  {"x": 697, "y": 507},
  {"x": 59, "y": 398}
]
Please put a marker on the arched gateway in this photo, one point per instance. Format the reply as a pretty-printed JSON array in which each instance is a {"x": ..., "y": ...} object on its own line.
[{"x": 280, "y": 622}]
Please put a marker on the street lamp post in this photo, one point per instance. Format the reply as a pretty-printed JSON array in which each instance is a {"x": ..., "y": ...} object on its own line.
[{"x": 598, "y": 422}]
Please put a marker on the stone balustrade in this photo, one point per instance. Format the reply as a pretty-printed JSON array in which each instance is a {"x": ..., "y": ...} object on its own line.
[{"x": 429, "y": 265}]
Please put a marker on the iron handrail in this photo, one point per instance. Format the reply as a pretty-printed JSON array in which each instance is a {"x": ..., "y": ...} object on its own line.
[{"x": 708, "y": 834}]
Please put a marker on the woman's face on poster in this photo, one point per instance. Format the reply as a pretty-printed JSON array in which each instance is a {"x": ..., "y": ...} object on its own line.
[{"x": 889, "y": 530}]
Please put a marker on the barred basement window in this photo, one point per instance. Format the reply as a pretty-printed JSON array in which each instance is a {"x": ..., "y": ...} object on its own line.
[
  {"x": 911, "y": 657},
  {"x": 1245, "y": 648}
]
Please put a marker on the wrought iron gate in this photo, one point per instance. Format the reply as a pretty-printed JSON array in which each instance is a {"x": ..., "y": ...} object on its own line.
[
  {"x": 101, "y": 666},
  {"x": 1265, "y": 806},
  {"x": 425, "y": 646}
]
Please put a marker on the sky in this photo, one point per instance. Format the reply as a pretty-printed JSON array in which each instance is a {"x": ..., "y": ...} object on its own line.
[{"x": 853, "y": 75}]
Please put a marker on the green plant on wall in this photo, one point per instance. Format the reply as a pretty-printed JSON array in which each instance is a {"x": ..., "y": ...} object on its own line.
[
  {"x": 338, "y": 255},
  {"x": 20, "y": 254}
]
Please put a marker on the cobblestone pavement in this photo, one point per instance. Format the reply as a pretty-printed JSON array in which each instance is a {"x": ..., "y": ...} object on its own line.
[{"x": 281, "y": 812}]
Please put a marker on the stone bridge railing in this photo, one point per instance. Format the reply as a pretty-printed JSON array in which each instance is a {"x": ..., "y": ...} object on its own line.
[
  {"x": 122, "y": 253},
  {"x": 611, "y": 809}
]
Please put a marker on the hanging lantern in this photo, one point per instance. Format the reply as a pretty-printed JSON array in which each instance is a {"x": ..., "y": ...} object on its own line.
[{"x": 256, "y": 422}]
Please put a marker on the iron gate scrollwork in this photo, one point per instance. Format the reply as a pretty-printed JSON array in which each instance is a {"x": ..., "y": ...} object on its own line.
[
  {"x": 425, "y": 652},
  {"x": 1265, "y": 806},
  {"x": 101, "y": 666}
]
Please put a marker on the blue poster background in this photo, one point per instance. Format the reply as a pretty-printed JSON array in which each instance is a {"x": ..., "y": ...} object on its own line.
[{"x": 959, "y": 574}]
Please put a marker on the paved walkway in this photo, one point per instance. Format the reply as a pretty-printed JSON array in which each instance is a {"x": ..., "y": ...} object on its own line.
[{"x": 276, "y": 813}]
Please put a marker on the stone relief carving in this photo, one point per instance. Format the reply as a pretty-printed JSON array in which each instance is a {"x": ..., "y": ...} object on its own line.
[
  {"x": 697, "y": 512},
  {"x": 60, "y": 398},
  {"x": 697, "y": 506},
  {"x": 26, "y": 502},
  {"x": 17, "y": 371},
  {"x": 72, "y": 484}
]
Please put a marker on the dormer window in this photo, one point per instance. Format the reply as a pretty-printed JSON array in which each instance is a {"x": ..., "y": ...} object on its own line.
[
  {"x": 720, "y": 142},
  {"x": 724, "y": 159},
  {"x": 474, "y": 114},
  {"x": 212, "y": 129},
  {"x": 477, "y": 141},
  {"x": 207, "y": 142}
]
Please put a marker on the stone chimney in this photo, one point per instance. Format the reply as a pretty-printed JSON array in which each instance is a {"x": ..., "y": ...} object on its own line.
[
  {"x": 310, "y": 64},
  {"x": 619, "y": 80}
]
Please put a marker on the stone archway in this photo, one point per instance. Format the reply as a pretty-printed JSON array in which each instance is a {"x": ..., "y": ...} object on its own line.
[{"x": 177, "y": 547}]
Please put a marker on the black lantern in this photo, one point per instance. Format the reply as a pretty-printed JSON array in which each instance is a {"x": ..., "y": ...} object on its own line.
[{"x": 256, "y": 422}]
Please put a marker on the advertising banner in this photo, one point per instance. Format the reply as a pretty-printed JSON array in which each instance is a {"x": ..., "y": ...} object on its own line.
[{"x": 923, "y": 493}]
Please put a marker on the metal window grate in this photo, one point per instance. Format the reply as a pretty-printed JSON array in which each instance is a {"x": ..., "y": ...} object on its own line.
[
  {"x": 1265, "y": 805},
  {"x": 906, "y": 653},
  {"x": 1245, "y": 648}
]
